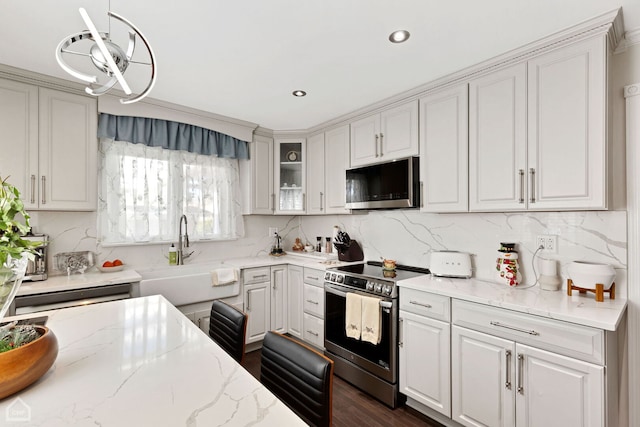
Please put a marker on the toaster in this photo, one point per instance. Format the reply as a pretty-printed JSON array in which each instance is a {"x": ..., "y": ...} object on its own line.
[{"x": 451, "y": 264}]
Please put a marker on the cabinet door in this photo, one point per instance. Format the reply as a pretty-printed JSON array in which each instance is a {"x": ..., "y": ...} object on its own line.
[
  {"x": 294, "y": 301},
  {"x": 262, "y": 197},
  {"x": 567, "y": 121},
  {"x": 289, "y": 179},
  {"x": 398, "y": 135},
  {"x": 258, "y": 308},
  {"x": 425, "y": 361},
  {"x": 482, "y": 379},
  {"x": 279, "y": 299},
  {"x": 336, "y": 161},
  {"x": 444, "y": 151},
  {"x": 19, "y": 124},
  {"x": 497, "y": 140},
  {"x": 313, "y": 330},
  {"x": 315, "y": 174},
  {"x": 364, "y": 140},
  {"x": 555, "y": 390},
  {"x": 68, "y": 157}
]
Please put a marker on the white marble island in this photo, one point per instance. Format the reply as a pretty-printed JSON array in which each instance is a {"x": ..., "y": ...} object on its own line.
[{"x": 140, "y": 362}]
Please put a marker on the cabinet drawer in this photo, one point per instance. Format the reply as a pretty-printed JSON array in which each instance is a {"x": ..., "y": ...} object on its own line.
[
  {"x": 313, "y": 302},
  {"x": 313, "y": 330},
  {"x": 425, "y": 304},
  {"x": 256, "y": 275},
  {"x": 570, "y": 339},
  {"x": 314, "y": 277}
]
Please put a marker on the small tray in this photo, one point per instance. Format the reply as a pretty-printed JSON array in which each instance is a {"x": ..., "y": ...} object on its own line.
[{"x": 110, "y": 269}]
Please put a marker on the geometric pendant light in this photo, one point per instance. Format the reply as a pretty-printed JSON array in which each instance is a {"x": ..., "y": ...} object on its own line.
[{"x": 107, "y": 57}]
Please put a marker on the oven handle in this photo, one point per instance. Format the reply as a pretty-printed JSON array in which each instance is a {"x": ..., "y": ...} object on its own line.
[{"x": 336, "y": 291}]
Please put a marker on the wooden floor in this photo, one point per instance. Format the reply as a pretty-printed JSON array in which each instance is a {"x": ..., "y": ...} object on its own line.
[{"x": 351, "y": 407}]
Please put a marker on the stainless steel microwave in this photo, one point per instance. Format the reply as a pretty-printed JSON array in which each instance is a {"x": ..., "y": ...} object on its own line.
[{"x": 388, "y": 185}]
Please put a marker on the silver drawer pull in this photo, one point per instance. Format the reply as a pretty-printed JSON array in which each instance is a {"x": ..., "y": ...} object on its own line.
[
  {"x": 526, "y": 331},
  {"x": 520, "y": 387},
  {"x": 312, "y": 278},
  {"x": 507, "y": 362},
  {"x": 261, "y": 276},
  {"x": 312, "y": 302},
  {"x": 421, "y": 304},
  {"x": 315, "y": 334}
]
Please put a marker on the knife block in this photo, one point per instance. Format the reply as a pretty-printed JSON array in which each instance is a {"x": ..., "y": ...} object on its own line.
[{"x": 352, "y": 253}]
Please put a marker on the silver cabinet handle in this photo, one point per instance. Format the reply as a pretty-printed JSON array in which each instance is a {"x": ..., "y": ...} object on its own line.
[
  {"x": 421, "y": 304},
  {"x": 507, "y": 361},
  {"x": 520, "y": 369},
  {"x": 381, "y": 136},
  {"x": 259, "y": 276},
  {"x": 421, "y": 194},
  {"x": 33, "y": 189},
  {"x": 199, "y": 322},
  {"x": 514, "y": 328},
  {"x": 400, "y": 334},
  {"x": 273, "y": 202},
  {"x": 312, "y": 278},
  {"x": 248, "y": 301},
  {"x": 313, "y": 333},
  {"x": 532, "y": 177},
  {"x": 321, "y": 195},
  {"x": 44, "y": 184},
  {"x": 304, "y": 201},
  {"x": 312, "y": 302},
  {"x": 377, "y": 137},
  {"x": 521, "y": 198}
]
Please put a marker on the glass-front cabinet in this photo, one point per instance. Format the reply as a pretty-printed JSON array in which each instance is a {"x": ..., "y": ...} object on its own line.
[{"x": 289, "y": 179}]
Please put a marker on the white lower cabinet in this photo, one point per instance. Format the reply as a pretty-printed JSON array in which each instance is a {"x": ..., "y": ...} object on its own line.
[
  {"x": 279, "y": 298},
  {"x": 258, "y": 309},
  {"x": 497, "y": 382},
  {"x": 313, "y": 307},
  {"x": 265, "y": 301},
  {"x": 294, "y": 301},
  {"x": 424, "y": 361}
]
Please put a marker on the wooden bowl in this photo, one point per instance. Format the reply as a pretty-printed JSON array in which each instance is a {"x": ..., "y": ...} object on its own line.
[{"x": 24, "y": 365}]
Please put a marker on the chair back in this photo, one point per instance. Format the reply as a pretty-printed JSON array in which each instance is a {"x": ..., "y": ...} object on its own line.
[
  {"x": 227, "y": 327},
  {"x": 299, "y": 376}
]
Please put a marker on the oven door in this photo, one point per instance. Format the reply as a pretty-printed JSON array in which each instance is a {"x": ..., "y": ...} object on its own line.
[{"x": 380, "y": 359}]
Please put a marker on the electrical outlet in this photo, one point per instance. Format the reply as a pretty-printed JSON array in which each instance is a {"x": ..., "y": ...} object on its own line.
[
  {"x": 548, "y": 242},
  {"x": 273, "y": 231}
]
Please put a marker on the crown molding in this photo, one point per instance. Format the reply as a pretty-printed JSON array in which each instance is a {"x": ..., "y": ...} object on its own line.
[{"x": 631, "y": 37}]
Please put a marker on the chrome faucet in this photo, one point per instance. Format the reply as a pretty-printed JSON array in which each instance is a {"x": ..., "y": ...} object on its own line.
[{"x": 183, "y": 241}]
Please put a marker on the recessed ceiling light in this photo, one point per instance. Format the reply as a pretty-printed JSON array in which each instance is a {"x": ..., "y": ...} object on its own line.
[
  {"x": 299, "y": 93},
  {"x": 399, "y": 36}
]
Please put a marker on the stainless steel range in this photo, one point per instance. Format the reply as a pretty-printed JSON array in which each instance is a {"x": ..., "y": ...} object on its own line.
[{"x": 372, "y": 368}]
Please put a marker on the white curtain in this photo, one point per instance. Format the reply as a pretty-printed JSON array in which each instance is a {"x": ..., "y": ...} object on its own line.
[{"x": 144, "y": 191}]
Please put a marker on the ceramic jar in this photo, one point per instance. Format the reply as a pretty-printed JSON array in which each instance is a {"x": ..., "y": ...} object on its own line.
[{"x": 507, "y": 265}]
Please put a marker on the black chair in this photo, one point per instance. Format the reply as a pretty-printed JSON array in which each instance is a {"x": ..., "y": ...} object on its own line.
[
  {"x": 227, "y": 327},
  {"x": 299, "y": 376}
]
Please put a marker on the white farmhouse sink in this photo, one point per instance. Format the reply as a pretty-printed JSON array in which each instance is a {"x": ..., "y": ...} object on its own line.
[{"x": 185, "y": 284}]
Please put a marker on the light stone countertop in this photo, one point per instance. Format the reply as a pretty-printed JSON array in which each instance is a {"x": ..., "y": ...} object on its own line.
[
  {"x": 141, "y": 362},
  {"x": 580, "y": 309}
]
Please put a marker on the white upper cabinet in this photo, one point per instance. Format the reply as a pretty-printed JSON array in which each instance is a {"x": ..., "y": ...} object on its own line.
[
  {"x": 258, "y": 176},
  {"x": 385, "y": 136},
  {"x": 290, "y": 179},
  {"x": 497, "y": 140},
  {"x": 336, "y": 161},
  {"x": 567, "y": 152},
  {"x": 55, "y": 166},
  {"x": 537, "y": 132},
  {"x": 316, "y": 199},
  {"x": 444, "y": 151}
]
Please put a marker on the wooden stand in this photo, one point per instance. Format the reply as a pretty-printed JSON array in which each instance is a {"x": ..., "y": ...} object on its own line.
[{"x": 599, "y": 290}]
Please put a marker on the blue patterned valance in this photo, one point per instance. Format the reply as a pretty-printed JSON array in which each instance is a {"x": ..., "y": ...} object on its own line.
[{"x": 171, "y": 135}]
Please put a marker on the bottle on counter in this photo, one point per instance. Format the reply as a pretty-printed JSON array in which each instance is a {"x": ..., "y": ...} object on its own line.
[
  {"x": 319, "y": 244},
  {"x": 328, "y": 245},
  {"x": 173, "y": 255}
]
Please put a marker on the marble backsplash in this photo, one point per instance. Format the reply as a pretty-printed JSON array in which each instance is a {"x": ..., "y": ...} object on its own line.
[{"x": 405, "y": 235}]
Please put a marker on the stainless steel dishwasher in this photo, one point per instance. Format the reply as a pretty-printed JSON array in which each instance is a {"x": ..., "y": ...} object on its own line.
[{"x": 24, "y": 304}]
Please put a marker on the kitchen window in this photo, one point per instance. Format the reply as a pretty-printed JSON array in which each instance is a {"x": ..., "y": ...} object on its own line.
[{"x": 144, "y": 190}]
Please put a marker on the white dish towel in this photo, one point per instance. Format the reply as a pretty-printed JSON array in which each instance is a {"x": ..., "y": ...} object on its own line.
[
  {"x": 371, "y": 320},
  {"x": 224, "y": 276},
  {"x": 353, "y": 315}
]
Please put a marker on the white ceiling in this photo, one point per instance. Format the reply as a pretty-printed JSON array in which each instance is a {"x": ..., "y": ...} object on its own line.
[{"x": 243, "y": 58}]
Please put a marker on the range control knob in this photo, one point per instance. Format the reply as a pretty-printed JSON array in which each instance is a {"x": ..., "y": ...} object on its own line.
[
  {"x": 387, "y": 289},
  {"x": 339, "y": 278},
  {"x": 327, "y": 276},
  {"x": 370, "y": 286},
  {"x": 333, "y": 277},
  {"x": 378, "y": 287}
]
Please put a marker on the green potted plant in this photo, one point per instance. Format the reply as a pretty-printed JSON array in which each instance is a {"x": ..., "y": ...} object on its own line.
[{"x": 26, "y": 352}]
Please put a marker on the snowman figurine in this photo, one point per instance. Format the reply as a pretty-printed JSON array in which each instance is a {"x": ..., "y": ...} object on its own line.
[{"x": 507, "y": 266}]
